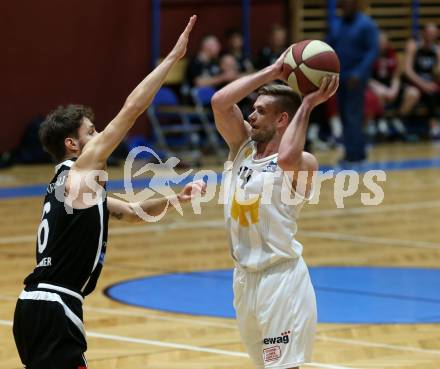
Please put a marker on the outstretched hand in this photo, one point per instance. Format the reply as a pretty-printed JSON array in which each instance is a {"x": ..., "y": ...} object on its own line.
[
  {"x": 179, "y": 49},
  {"x": 328, "y": 87},
  {"x": 191, "y": 190}
]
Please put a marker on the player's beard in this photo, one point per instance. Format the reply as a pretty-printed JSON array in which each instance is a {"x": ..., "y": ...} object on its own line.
[{"x": 263, "y": 136}]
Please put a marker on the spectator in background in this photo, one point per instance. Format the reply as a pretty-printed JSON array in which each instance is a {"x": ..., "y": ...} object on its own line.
[
  {"x": 229, "y": 65},
  {"x": 422, "y": 65},
  {"x": 354, "y": 37},
  {"x": 385, "y": 84},
  {"x": 204, "y": 68},
  {"x": 234, "y": 47},
  {"x": 277, "y": 44}
]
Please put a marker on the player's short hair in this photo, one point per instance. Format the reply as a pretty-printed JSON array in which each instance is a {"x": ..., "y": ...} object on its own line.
[
  {"x": 59, "y": 124},
  {"x": 286, "y": 99}
]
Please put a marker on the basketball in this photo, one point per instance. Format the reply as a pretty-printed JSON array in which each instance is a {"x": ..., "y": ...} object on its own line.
[{"x": 306, "y": 63}]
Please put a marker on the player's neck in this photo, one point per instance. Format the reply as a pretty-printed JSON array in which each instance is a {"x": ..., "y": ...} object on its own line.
[
  {"x": 69, "y": 157},
  {"x": 267, "y": 148}
]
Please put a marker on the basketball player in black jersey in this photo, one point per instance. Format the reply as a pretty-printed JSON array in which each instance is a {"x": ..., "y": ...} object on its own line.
[
  {"x": 72, "y": 236},
  {"x": 422, "y": 68}
]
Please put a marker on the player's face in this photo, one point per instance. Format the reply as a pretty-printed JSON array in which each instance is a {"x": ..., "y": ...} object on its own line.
[
  {"x": 263, "y": 119},
  {"x": 86, "y": 132}
]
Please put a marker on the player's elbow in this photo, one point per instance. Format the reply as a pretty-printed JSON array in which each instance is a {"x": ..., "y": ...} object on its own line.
[
  {"x": 132, "y": 108},
  {"x": 218, "y": 100}
]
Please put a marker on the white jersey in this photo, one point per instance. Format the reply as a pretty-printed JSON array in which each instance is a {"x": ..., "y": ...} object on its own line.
[{"x": 261, "y": 211}]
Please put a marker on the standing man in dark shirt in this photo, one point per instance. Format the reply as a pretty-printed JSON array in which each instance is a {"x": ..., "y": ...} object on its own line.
[
  {"x": 234, "y": 47},
  {"x": 277, "y": 45},
  {"x": 354, "y": 36},
  {"x": 422, "y": 67},
  {"x": 72, "y": 236}
]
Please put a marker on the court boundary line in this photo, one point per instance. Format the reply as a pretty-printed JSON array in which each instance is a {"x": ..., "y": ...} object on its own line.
[
  {"x": 308, "y": 215},
  {"x": 321, "y": 337},
  {"x": 392, "y": 242},
  {"x": 181, "y": 346},
  {"x": 378, "y": 345}
]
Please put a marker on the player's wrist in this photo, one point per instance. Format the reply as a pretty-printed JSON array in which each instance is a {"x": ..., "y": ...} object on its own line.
[
  {"x": 180, "y": 197},
  {"x": 273, "y": 72},
  {"x": 308, "y": 104}
]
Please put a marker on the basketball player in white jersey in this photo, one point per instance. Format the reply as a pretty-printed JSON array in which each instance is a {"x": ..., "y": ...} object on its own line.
[{"x": 273, "y": 296}]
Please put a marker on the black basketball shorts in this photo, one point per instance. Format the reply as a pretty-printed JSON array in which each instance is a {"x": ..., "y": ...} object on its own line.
[{"x": 48, "y": 328}]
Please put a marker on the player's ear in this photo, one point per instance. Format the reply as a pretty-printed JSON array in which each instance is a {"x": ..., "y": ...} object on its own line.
[
  {"x": 71, "y": 144},
  {"x": 283, "y": 119}
]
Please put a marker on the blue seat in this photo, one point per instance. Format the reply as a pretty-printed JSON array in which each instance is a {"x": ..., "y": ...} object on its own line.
[
  {"x": 170, "y": 119},
  {"x": 202, "y": 100}
]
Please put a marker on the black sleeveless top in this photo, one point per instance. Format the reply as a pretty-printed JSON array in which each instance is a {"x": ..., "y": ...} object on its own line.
[
  {"x": 425, "y": 61},
  {"x": 71, "y": 243}
]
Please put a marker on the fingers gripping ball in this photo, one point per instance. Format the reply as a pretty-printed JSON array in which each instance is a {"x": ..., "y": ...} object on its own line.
[{"x": 306, "y": 63}]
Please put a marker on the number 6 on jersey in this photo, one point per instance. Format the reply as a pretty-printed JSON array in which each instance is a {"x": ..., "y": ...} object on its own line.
[{"x": 44, "y": 226}]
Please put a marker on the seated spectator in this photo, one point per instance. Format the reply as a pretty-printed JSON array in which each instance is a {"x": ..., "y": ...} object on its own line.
[
  {"x": 230, "y": 66},
  {"x": 204, "y": 68},
  {"x": 277, "y": 44},
  {"x": 422, "y": 62},
  {"x": 234, "y": 47},
  {"x": 386, "y": 90}
]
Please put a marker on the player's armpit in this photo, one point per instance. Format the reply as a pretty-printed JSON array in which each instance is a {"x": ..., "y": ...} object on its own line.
[
  {"x": 302, "y": 178},
  {"x": 230, "y": 124}
]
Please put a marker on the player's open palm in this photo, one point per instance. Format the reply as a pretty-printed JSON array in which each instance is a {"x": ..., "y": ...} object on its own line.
[
  {"x": 328, "y": 87},
  {"x": 179, "y": 49},
  {"x": 191, "y": 190}
]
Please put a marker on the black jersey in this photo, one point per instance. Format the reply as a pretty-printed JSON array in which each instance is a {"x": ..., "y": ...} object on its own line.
[
  {"x": 425, "y": 61},
  {"x": 71, "y": 243}
]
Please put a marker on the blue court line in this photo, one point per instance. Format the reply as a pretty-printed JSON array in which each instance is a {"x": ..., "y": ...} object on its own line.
[{"x": 118, "y": 185}]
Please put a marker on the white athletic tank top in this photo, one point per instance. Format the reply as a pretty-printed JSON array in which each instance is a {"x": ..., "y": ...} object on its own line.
[{"x": 260, "y": 210}]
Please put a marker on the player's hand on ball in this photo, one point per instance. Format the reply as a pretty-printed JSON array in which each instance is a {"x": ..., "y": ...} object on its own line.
[
  {"x": 192, "y": 190},
  {"x": 328, "y": 87},
  {"x": 278, "y": 66},
  {"x": 179, "y": 49}
]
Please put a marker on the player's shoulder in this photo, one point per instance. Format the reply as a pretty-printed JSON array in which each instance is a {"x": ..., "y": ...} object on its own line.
[
  {"x": 242, "y": 151},
  {"x": 310, "y": 162}
]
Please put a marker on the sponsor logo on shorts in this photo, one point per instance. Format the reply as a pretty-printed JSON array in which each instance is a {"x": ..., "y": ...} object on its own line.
[
  {"x": 283, "y": 338},
  {"x": 272, "y": 354}
]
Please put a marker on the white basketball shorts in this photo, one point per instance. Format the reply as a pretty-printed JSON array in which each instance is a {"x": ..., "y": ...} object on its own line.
[{"x": 276, "y": 314}]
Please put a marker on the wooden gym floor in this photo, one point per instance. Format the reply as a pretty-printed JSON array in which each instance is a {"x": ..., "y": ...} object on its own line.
[{"x": 403, "y": 231}]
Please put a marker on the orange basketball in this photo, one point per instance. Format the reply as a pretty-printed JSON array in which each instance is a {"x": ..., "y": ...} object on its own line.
[{"x": 306, "y": 63}]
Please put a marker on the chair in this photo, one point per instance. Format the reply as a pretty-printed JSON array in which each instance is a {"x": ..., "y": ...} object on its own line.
[
  {"x": 202, "y": 100},
  {"x": 168, "y": 118}
]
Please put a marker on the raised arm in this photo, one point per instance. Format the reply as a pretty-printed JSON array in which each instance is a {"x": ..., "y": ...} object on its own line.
[
  {"x": 228, "y": 118},
  {"x": 291, "y": 155},
  {"x": 97, "y": 150}
]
